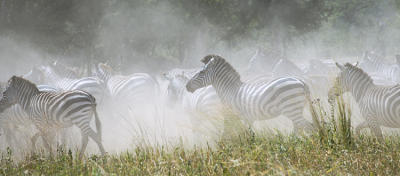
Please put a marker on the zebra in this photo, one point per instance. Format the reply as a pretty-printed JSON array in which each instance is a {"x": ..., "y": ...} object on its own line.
[
  {"x": 381, "y": 72},
  {"x": 379, "y": 105},
  {"x": 122, "y": 87},
  {"x": 283, "y": 96},
  {"x": 49, "y": 110},
  {"x": 203, "y": 106},
  {"x": 47, "y": 75},
  {"x": 372, "y": 62},
  {"x": 171, "y": 74},
  {"x": 15, "y": 116},
  {"x": 175, "y": 88}
]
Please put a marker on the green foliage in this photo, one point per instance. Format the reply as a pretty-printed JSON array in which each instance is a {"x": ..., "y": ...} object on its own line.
[
  {"x": 166, "y": 32},
  {"x": 152, "y": 27},
  {"x": 334, "y": 128}
]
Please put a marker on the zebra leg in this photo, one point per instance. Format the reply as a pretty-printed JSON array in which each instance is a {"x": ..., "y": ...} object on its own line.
[
  {"x": 97, "y": 138},
  {"x": 34, "y": 139},
  {"x": 360, "y": 127},
  {"x": 376, "y": 129},
  {"x": 10, "y": 136},
  {"x": 63, "y": 134},
  {"x": 85, "y": 130},
  {"x": 299, "y": 122},
  {"x": 374, "y": 126},
  {"x": 85, "y": 140},
  {"x": 46, "y": 141}
]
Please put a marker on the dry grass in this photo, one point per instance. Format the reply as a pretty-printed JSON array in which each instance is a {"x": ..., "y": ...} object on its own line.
[{"x": 333, "y": 150}]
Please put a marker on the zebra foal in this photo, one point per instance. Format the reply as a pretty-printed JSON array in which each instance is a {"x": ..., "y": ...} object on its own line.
[
  {"x": 252, "y": 102},
  {"x": 379, "y": 105},
  {"x": 53, "y": 110}
]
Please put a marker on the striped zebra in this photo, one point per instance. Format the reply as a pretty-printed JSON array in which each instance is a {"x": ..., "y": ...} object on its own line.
[
  {"x": 203, "y": 106},
  {"x": 15, "y": 117},
  {"x": 54, "y": 110},
  {"x": 175, "y": 87},
  {"x": 379, "y": 105},
  {"x": 137, "y": 86},
  {"x": 171, "y": 74},
  {"x": 284, "y": 96},
  {"x": 380, "y": 70},
  {"x": 47, "y": 75}
]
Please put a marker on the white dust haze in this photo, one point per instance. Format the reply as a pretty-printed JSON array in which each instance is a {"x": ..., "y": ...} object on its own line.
[{"x": 158, "y": 37}]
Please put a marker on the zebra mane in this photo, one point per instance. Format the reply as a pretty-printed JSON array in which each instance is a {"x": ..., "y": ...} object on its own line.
[
  {"x": 16, "y": 82},
  {"x": 358, "y": 70},
  {"x": 221, "y": 61},
  {"x": 107, "y": 68}
]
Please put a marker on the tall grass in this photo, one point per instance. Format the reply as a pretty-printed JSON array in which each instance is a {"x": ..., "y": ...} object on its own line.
[
  {"x": 332, "y": 150},
  {"x": 334, "y": 128}
]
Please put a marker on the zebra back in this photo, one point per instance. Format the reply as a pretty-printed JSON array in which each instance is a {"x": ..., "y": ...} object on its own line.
[{"x": 287, "y": 96}]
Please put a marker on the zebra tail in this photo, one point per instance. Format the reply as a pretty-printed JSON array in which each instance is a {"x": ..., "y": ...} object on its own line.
[{"x": 98, "y": 122}]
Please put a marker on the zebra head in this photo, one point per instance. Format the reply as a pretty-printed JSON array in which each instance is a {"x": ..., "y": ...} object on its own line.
[
  {"x": 204, "y": 77},
  {"x": 216, "y": 72},
  {"x": 176, "y": 87},
  {"x": 18, "y": 90},
  {"x": 348, "y": 76},
  {"x": 104, "y": 72}
]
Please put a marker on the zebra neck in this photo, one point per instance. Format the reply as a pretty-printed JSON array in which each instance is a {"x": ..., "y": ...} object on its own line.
[
  {"x": 228, "y": 89},
  {"x": 104, "y": 76},
  {"x": 359, "y": 90},
  {"x": 24, "y": 100}
]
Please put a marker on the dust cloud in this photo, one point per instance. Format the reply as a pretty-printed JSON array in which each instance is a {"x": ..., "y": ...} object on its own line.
[{"x": 156, "y": 36}]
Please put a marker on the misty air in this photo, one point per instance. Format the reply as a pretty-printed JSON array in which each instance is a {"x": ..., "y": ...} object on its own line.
[{"x": 199, "y": 87}]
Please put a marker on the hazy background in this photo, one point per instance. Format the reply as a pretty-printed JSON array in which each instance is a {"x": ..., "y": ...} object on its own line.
[{"x": 155, "y": 35}]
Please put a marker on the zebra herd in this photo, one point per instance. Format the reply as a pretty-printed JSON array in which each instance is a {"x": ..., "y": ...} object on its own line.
[{"x": 55, "y": 97}]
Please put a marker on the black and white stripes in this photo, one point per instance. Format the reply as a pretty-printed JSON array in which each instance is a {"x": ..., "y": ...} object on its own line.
[
  {"x": 374, "y": 65},
  {"x": 49, "y": 110},
  {"x": 379, "y": 105},
  {"x": 135, "y": 87},
  {"x": 286, "y": 96}
]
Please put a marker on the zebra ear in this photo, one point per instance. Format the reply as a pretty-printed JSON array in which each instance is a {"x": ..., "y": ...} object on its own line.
[
  {"x": 207, "y": 59},
  {"x": 356, "y": 64},
  {"x": 341, "y": 67},
  {"x": 209, "y": 63},
  {"x": 165, "y": 75}
]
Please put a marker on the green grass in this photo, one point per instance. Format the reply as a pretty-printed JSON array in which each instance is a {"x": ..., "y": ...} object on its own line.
[
  {"x": 332, "y": 150},
  {"x": 277, "y": 154}
]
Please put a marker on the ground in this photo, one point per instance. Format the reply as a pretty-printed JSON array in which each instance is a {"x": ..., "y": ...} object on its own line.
[{"x": 250, "y": 154}]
